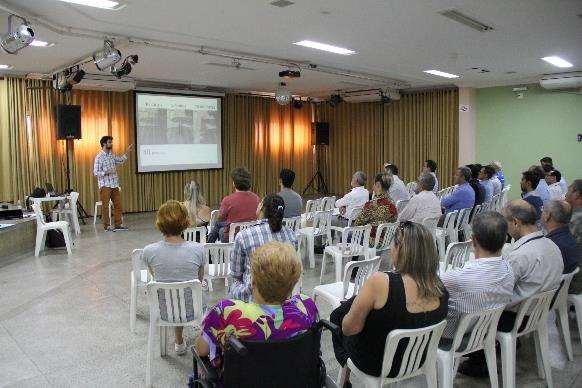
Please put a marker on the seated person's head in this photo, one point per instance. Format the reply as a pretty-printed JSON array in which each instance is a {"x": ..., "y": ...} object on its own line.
[
  {"x": 475, "y": 170},
  {"x": 529, "y": 181},
  {"x": 414, "y": 253},
  {"x": 426, "y": 182},
  {"x": 272, "y": 207},
  {"x": 489, "y": 234},
  {"x": 359, "y": 179},
  {"x": 553, "y": 176},
  {"x": 463, "y": 175},
  {"x": 574, "y": 194},
  {"x": 382, "y": 183},
  {"x": 275, "y": 269},
  {"x": 391, "y": 168},
  {"x": 521, "y": 218},
  {"x": 496, "y": 165},
  {"x": 539, "y": 170},
  {"x": 547, "y": 161},
  {"x": 556, "y": 214},
  {"x": 429, "y": 166},
  {"x": 172, "y": 218},
  {"x": 287, "y": 177},
  {"x": 241, "y": 178}
]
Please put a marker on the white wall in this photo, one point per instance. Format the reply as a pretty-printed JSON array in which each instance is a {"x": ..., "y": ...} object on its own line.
[{"x": 467, "y": 125}]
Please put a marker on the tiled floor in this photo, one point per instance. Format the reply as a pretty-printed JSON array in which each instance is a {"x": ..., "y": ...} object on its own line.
[{"x": 64, "y": 321}]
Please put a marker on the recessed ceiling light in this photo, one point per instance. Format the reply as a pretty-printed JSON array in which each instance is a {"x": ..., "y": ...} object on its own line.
[
  {"x": 441, "y": 73},
  {"x": 557, "y": 61},
  {"x": 41, "y": 43},
  {"x": 105, "y": 4},
  {"x": 325, "y": 47},
  {"x": 5, "y": 67}
]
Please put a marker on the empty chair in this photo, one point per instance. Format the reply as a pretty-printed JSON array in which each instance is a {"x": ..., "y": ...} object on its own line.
[
  {"x": 431, "y": 224},
  {"x": 576, "y": 301},
  {"x": 197, "y": 234},
  {"x": 334, "y": 293},
  {"x": 474, "y": 332},
  {"x": 43, "y": 227},
  {"x": 70, "y": 211},
  {"x": 446, "y": 232},
  {"x": 457, "y": 254},
  {"x": 401, "y": 204},
  {"x": 462, "y": 224},
  {"x": 139, "y": 277},
  {"x": 383, "y": 239},
  {"x": 355, "y": 242},
  {"x": 536, "y": 309},
  {"x": 321, "y": 228},
  {"x": 293, "y": 223},
  {"x": 311, "y": 206},
  {"x": 213, "y": 219},
  {"x": 236, "y": 227},
  {"x": 418, "y": 357},
  {"x": 98, "y": 204},
  {"x": 561, "y": 308},
  {"x": 216, "y": 262},
  {"x": 171, "y": 305},
  {"x": 354, "y": 213},
  {"x": 410, "y": 187},
  {"x": 327, "y": 203}
]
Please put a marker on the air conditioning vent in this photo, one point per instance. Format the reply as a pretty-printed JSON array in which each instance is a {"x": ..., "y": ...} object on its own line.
[
  {"x": 370, "y": 95},
  {"x": 562, "y": 81},
  {"x": 468, "y": 21}
]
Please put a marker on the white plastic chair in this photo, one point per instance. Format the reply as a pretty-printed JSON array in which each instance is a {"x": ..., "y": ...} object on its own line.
[
  {"x": 462, "y": 224},
  {"x": 306, "y": 235},
  {"x": 401, "y": 204},
  {"x": 312, "y": 205},
  {"x": 576, "y": 301},
  {"x": 197, "y": 234},
  {"x": 293, "y": 223},
  {"x": 213, "y": 219},
  {"x": 504, "y": 196},
  {"x": 334, "y": 293},
  {"x": 327, "y": 203},
  {"x": 139, "y": 277},
  {"x": 69, "y": 211},
  {"x": 423, "y": 341},
  {"x": 536, "y": 308},
  {"x": 446, "y": 232},
  {"x": 236, "y": 227},
  {"x": 475, "y": 331},
  {"x": 219, "y": 254},
  {"x": 43, "y": 227},
  {"x": 354, "y": 213},
  {"x": 383, "y": 240},
  {"x": 431, "y": 224},
  {"x": 355, "y": 242},
  {"x": 457, "y": 255},
  {"x": 98, "y": 204},
  {"x": 171, "y": 305},
  {"x": 561, "y": 308},
  {"x": 410, "y": 187}
]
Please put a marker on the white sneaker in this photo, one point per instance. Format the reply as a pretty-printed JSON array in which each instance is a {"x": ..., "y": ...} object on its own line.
[{"x": 180, "y": 349}]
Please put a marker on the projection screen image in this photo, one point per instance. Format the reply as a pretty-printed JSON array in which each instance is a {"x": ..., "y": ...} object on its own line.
[{"x": 177, "y": 132}]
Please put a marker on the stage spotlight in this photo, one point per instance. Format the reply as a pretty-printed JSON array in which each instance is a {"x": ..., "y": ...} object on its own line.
[
  {"x": 335, "y": 100},
  {"x": 125, "y": 67},
  {"x": 76, "y": 76},
  {"x": 107, "y": 57},
  {"x": 14, "y": 41},
  {"x": 283, "y": 95},
  {"x": 297, "y": 104},
  {"x": 66, "y": 79}
]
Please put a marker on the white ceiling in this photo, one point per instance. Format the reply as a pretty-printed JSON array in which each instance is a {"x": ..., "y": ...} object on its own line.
[{"x": 393, "y": 38}]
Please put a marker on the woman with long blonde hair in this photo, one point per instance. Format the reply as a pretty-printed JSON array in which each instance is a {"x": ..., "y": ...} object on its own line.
[{"x": 196, "y": 204}]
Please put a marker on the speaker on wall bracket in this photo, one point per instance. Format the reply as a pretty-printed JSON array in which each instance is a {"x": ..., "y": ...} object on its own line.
[
  {"x": 68, "y": 121},
  {"x": 321, "y": 130}
]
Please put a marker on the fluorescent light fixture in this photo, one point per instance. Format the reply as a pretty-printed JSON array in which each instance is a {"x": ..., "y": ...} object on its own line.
[
  {"x": 41, "y": 43},
  {"x": 104, "y": 4},
  {"x": 325, "y": 47},
  {"x": 557, "y": 61},
  {"x": 5, "y": 67},
  {"x": 441, "y": 73}
]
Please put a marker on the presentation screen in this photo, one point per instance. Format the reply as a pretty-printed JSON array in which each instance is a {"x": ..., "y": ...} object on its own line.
[{"x": 177, "y": 132}]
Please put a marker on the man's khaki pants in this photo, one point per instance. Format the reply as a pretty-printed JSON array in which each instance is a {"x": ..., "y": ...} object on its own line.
[{"x": 106, "y": 193}]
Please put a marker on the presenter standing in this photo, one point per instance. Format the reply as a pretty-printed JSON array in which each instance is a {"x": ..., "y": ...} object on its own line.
[{"x": 104, "y": 170}]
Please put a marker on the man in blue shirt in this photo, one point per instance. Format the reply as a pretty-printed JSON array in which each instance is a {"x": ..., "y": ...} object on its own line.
[
  {"x": 463, "y": 196},
  {"x": 555, "y": 217},
  {"x": 542, "y": 188},
  {"x": 485, "y": 176},
  {"x": 529, "y": 182}
]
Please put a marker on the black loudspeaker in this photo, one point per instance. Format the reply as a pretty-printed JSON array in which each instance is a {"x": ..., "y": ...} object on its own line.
[
  {"x": 68, "y": 122},
  {"x": 321, "y": 133}
]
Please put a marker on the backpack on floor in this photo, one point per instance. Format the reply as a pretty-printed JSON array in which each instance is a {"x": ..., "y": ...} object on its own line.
[{"x": 54, "y": 237}]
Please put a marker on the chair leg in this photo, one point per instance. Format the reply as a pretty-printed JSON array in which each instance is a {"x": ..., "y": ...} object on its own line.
[
  {"x": 445, "y": 369},
  {"x": 562, "y": 314},
  {"x": 491, "y": 360},
  {"x": 151, "y": 334},
  {"x": 95, "y": 214},
  {"x": 322, "y": 267},
  {"x": 578, "y": 310},
  {"x": 209, "y": 282},
  {"x": 40, "y": 239},
  {"x": 338, "y": 261},
  {"x": 67, "y": 237},
  {"x": 542, "y": 339},
  {"x": 508, "y": 361},
  {"x": 431, "y": 376},
  {"x": 163, "y": 337},
  {"x": 311, "y": 249},
  {"x": 342, "y": 376},
  {"x": 132, "y": 303}
]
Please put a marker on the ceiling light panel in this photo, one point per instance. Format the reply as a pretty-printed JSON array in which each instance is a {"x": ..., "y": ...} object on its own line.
[
  {"x": 441, "y": 73},
  {"x": 557, "y": 61},
  {"x": 5, "y": 67},
  {"x": 103, "y": 4},
  {"x": 41, "y": 43},
  {"x": 325, "y": 47}
]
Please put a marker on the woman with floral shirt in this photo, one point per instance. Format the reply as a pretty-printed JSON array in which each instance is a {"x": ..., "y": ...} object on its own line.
[{"x": 380, "y": 209}]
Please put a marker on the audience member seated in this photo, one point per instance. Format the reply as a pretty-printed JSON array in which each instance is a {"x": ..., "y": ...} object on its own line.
[
  {"x": 430, "y": 166},
  {"x": 240, "y": 206},
  {"x": 194, "y": 201},
  {"x": 411, "y": 297},
  {"x": 496, "y": 164},
  {"x": 293, "y": 201},
  {"x": 380, "y": 209},
  {"x": 555, "y": 218},
  {"x": 423, "y": 205},
  {"x": 358, "y": 196},
  {"x": 475, "y": 184},
  {"x": 497, "y": 186},
  {"x": 269, "y": 228},
  {"x": 485, "y": 282},
  {"x": 553, "y": 179},
  {"x": 574, "y": 198},
  {"x": 174, "y": 259},
  {"x": 398, "y": 191},
  {"x": 542, "y": 188},
  {"x": 273, "y": 315},
  {"x": 463, "y": 196},
  {"x": 485, "y": 179},
  {"x": 547, "y": 161},
  {"x": 529, "y": 182}
]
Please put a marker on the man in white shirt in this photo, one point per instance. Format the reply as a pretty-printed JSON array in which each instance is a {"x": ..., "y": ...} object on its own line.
[
  {"x": 553, "y": 179},
  {"x": 548, "y": 164},
  {"x": 423, "y": 205},
  {"x": 497, "y": 186},
  {"x": 397, "y": 191},
  {"x": 358, "y": 196}
]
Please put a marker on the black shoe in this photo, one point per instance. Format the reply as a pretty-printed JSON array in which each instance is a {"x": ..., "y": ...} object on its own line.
[
  {"x": 318, "y": 250},
  {"x": 473, "y": 369}
]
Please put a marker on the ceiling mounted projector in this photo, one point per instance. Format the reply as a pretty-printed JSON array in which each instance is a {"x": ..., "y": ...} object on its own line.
[
  {"x": 107, "y": 57},
  {"x": 14, "y": 41},
  {"x": 290, "y": 73},
  {"x": 283, "y": 95}
]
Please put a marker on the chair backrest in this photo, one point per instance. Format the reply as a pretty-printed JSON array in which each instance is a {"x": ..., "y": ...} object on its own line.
[
  {"x": 38, "y": 213},
  {"x": 213, "y": 218},
  {"x": 476, "y": 328},
  {"x": 327, "y": 203},
  {"x": 175, "y": 303},
  {"x": 441, "y": 193},
  {"x": 449, "y": 225},
  {"x": 236, "y": 227},
  {"x": 197, "y": 234},
  {"x": 137, "y": 265},
  {"x": 410, "y": 186},
  {"x": 73, "y": 198},
  {"x": 354, "y": 213},
  {"x": 365, "y": 269},
  {"x": 401, "y": 204},
  {"x": 384, "y": 236},
  {"x": 504, "y": 195},
  {"x": 312, "y": 205},
  {"x": 293, "y": 223},
  {"x": 495, "y": 203},
  {"x": 457, "y": 254},
  {"x": 562, "y": 295},
  {"x": 536, "y": 307},
  {"x": 462, "y": 223},
  {"x": 355, "y": 240},
  {"x": 431, "y": 224},
  {"x": 219, "y": 255},
  {"x": 420, "y": 350},
  {"x": 322, "y": 223}
]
